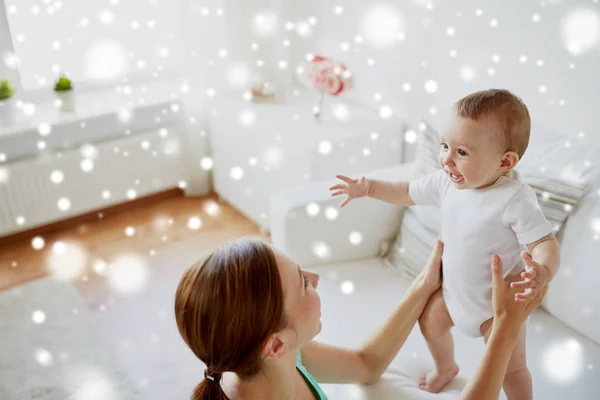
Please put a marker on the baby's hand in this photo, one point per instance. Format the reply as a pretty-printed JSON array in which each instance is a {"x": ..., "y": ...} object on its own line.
[
  {"x": 535, "y": 278},
  {"x": 353, "y": 188}
]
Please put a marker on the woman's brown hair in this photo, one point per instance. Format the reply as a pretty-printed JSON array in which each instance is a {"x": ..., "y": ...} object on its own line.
[{"x": 226, "y": 306}]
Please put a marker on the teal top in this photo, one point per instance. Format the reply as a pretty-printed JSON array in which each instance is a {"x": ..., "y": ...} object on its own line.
[{"x": 312, "y": 383}]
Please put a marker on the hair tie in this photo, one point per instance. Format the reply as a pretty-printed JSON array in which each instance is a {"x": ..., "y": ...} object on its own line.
[{"x": 215, "y": 376}]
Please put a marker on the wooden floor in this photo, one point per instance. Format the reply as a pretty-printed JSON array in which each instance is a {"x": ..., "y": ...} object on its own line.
[{"x": 160, "y": 227}]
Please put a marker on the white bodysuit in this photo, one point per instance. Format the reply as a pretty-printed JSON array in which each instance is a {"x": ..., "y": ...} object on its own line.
[{"x": 477, "y": 223}]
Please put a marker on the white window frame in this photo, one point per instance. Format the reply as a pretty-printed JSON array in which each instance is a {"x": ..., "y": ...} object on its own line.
[{"x": 46, "y": 93}]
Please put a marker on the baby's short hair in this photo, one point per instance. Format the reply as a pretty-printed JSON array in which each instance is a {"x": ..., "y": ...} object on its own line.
[{"x": 506, "y": 109}]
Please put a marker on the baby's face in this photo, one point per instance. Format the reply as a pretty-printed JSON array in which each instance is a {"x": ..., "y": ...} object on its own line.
[{"x": 469, "y": 153}]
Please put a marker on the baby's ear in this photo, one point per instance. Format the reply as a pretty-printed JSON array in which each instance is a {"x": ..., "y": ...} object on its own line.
[{"x": 509, "y": 160}]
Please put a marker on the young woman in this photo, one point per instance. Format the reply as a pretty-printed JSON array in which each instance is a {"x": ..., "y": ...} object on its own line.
[{"x": 250, "y": 313}]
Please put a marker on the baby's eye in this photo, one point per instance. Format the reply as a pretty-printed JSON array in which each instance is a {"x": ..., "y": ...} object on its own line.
[
  {"x": 444, "y": 146},
  {"x": 462, "y": 152}
]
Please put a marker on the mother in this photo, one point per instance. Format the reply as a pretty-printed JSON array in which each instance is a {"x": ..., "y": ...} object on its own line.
[{"x": 250, "y": 313}]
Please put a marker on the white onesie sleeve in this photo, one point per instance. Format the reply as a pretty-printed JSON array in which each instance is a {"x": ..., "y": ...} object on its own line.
[
  {"x": 428, "y": 190},
  {"x": 524, "y": 216}
]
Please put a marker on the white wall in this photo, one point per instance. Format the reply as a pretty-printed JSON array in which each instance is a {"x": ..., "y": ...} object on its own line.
[{"x": 424, "y": 55}]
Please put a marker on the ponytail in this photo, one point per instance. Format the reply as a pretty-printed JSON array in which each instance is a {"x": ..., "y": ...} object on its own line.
[{"x": 209, "y": 390}]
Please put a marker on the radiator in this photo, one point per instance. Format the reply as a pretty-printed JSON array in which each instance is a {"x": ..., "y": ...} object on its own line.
[{"x": 124, "y": 168}]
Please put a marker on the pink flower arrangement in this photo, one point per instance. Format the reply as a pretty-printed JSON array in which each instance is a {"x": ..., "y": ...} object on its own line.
[{"x": 328, "y": 76}]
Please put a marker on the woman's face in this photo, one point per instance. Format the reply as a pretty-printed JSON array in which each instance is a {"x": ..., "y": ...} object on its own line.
[{"x": 301, "y": 300}]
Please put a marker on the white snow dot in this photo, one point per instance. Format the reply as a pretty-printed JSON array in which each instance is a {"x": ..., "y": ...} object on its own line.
[
  {"x": 347, "y": 287},
  {"x": 450, "y": 31},
  {"x": 410, "y": 136},
  {"x": 206, "y": 163},
  {"x": 467, "y": 73},
  {"x": 131, "y": 194},
  {"x": 64, "y": 204},
  {"x": 28, "y": 108},
  {"x": 44, "y": 357},
  {"x": 494, "y": 23},
  {"x": 536, "y": 18},
  {"x": 313, "y": 209},
  {"x": 57, "y": 177},
  {"x": 106, "y": 194},
  {"x": 355, "y": 238},
  {"x": 128, "y": 273},
  {"x": 331, "y": 213},
  {"x": 87, "y": 165},
  {"x": 236, "y": 173},
  {"x": 325, "y": 147},
  {"x": 20, "y": 220},
  {"x": 44, "y": 129},
  {"x": 431, "y": 86},
  {"x": 321, "y": 250},
  {"x": 130, "y": 231},
  {"x": 563, "y": 362},
  {"x": 212, "y": 208},
  {"x": 194, "y": 223},
  {"x": 99, "y": 266},
  {"x": 385, "y": 112},
  {"x": 38, "y": 317},
  {"x": 247, "y": 118},
  {"x": 38, "y": 243}
]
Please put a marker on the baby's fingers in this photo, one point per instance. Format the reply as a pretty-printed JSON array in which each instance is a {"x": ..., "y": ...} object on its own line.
[
  {"x": 529, "y": 274},
  {"x": 526, "y": 296},
  {"x": 346, "y": 179},
  {"x": 337, "y": 193},
  {"x": 527, "y": 283},
  {"x": 345, "y": 202},
  {"x": 337, "y": 187}
]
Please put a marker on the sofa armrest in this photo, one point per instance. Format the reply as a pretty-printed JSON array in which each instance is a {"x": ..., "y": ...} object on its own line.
[{"x": 317, "y": 239}]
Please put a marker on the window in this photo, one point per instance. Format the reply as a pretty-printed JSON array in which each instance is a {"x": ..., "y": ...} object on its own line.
[{"x": 90, "y": 40}]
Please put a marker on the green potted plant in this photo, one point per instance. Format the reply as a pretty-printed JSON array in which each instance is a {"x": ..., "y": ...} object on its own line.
[
  {"x": 64, "y": 92},
  {"x": 7, "y": 103}
]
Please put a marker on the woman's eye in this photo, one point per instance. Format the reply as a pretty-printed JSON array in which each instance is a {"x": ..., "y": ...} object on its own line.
[
  {"x": 462, "y": 152},
  {"x": 305, "y": 282}
]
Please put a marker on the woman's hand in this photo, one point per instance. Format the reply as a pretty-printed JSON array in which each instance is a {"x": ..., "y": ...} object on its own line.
[
  {"x": 431, "y": 275},
  {"x": 503, "y": 297}
]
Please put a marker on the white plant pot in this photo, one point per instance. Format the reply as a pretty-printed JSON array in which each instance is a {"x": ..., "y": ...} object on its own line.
[
  {"x": 67, "y": 99},
  {"x": 8, "y": 111}
]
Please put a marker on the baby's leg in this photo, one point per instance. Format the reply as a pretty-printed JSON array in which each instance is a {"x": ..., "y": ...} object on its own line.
[
  {"x": 435, "y": 324},
  {"x": 517, "y": 381}
]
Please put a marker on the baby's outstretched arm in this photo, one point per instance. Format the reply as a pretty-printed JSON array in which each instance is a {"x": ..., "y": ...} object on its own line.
[
  {"x": 390, "y": 192},
  {"x": 541, "y": 264}
]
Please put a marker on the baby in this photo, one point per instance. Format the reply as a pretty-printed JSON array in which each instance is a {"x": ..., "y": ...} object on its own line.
[{"x": 484, "y": 212}]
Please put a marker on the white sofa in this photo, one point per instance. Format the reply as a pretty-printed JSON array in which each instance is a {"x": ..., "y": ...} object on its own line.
[{"x": 563, "y": 339}]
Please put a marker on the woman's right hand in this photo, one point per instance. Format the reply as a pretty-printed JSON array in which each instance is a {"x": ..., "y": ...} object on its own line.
[
  {"x": 352, "y": 188},
  {"x": 505, "y": 307}
]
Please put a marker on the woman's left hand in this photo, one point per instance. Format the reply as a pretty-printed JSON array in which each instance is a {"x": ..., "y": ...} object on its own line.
[{"x": 431, "y": 275}]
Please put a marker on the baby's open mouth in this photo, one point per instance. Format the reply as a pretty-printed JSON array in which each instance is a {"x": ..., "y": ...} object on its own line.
[{"x": 454, "y": 177}]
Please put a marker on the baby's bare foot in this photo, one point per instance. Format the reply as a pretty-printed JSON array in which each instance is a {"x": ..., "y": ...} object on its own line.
[{"x": 436, "y": 380}]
